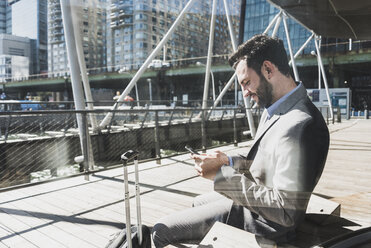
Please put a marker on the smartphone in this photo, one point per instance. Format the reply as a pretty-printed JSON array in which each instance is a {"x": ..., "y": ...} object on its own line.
[{"x": 191, "y": 150}]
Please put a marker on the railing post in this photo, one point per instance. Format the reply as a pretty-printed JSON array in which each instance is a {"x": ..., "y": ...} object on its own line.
[
  {"x": 85, "y": 148},
  {"x": 203, "y": 131},
  {"x": 338, "y": 114},
  {"x": 171, "y": 115},
  {"x": 157, "y": 139},
  {"x": 6, "y": 133},
  {"x": 333, "y": 117},
  {"x": 327, "y": 116},
  {"x": 234, "y": 128}
]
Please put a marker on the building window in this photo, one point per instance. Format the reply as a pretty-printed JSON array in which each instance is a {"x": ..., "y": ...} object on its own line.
[
  {"x": 141, "y": 17},
  {"x": 141, "y": 26}
]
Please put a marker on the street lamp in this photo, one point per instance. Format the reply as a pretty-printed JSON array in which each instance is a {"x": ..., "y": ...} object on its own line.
[
  {"x": 150, "y": 90},
  {"x": 319, "y": 69},
  {"x": 66, "y": 96},
  {"x": 198, "y": 63}
]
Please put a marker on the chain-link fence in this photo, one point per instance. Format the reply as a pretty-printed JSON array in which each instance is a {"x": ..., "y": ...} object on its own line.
[{"x": 41, "y": 145}]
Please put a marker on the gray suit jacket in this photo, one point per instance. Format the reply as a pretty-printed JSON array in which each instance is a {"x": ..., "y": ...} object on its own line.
[{"x": 271, "y": 186}]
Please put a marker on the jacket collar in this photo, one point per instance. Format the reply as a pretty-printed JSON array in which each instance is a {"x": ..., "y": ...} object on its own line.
[{"x": 282, "y": 109}]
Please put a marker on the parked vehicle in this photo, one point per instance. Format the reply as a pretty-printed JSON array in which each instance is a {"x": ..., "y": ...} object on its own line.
[
  {"x": 157, "y": 64},
  {"x": 124, "y": 69}
]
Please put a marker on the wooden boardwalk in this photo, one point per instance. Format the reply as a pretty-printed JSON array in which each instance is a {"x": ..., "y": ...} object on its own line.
[{"x": 77, "y": 213}]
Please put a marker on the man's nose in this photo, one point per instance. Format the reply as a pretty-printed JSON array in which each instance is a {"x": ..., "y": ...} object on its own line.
[{"x": 246, "y": 92}]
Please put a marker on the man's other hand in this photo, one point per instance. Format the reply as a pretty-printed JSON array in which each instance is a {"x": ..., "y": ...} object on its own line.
[{"x": 208, "y": 164}]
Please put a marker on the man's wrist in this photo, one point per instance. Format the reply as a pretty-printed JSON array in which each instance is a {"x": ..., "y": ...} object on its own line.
[{"x": 225, "y": 159}]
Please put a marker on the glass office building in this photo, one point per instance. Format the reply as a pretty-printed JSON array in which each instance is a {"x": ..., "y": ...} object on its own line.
[
  {"x": 29, "y": 19},
  {"x": 258, "y": 15}
]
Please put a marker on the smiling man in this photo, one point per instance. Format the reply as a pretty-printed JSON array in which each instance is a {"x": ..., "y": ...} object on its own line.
[{"x": 266, "y": 190}]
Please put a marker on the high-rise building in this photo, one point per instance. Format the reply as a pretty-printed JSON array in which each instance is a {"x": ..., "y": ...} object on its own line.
[
  {"x": 29, "y": 19},
  {"x": 3, "y": 7},
  {"x": 134, "y": 28},
  {"x": 92, "y": 30},
  {"x": 5, "y": 18},
  {"x": 15, "y": 57}
]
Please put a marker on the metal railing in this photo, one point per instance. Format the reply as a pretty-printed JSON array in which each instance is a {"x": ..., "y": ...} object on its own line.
[
  {"x": 37, "y": 146},
  {"x": 27, "y": 105},
  {"x": 42, "y": 145}
]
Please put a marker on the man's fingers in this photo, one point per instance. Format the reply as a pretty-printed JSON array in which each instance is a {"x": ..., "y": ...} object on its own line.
[{"x": 198, "y": 168}]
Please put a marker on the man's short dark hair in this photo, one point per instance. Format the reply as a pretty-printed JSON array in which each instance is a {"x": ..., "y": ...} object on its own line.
[{"x": 260, "y": 48}]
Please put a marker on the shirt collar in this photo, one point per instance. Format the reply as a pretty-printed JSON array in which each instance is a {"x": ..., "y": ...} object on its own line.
[{"x": 272, "y": 109}]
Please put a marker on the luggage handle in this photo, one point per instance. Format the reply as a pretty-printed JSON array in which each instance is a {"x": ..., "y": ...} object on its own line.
[
  {"x": 127, "y": 156},
  {"x": 137, "y": 198}
]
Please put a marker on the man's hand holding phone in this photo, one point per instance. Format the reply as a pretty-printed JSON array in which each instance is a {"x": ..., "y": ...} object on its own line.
[{"x": 208, "y": 164}]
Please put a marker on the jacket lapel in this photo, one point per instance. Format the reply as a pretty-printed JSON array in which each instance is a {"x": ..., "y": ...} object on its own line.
[
  {"x": 284, "y": 107},
  {"x": 263, "y": 128}
]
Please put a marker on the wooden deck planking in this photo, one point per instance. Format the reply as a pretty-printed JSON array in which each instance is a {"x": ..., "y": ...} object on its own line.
[
  {"x": 56, "y": 216},
  {"x": 84, "y": 213},
  {"x": 346, "y": 178}
]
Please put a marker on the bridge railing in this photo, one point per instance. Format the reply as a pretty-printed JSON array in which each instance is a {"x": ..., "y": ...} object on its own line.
[{"x": 38, "y": 146}]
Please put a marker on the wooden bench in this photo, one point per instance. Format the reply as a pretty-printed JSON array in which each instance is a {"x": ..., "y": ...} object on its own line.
[{"x": 319, "y": 211}]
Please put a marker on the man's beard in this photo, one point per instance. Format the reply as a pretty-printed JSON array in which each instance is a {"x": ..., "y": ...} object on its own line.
[{"x": 264, "y": 93}]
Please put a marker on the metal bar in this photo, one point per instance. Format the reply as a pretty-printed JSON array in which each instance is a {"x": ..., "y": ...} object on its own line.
[
  {"x": 234, "y": 128},
  {"x": 235, "y": 92},
  {"x": 324, "y": 76},
  {"x": 6, "y": 134},
  {"x": 203, "y": 131},
  {"x": 271, "y": 23},
  {"x": 171, "y": 115},
  {"x": 327, "y": 117},
  {"x": 350, "y": 44},
  {"x": 246, "y": 102},
  {"x": 82, "y": 64},
  {"x": 136, "y": 94},
  {"x": 230, "y": 26},
  {"x": 277, "y": 25},
  {"x": 319, "y": 68},
  {"x": 241, "y": 28},
  {"x": 296, "y": 74},
  {"x": 302, "y": 48},
  {"x": 224, "y": 91},
  {"x": 221, "y": 117},
  {"x": 157, "y": 139},
  {"x": 85, "y": 146},
  {"x": 234, "y": 45},
  {"x": 145, "y": 117},
  {"x": 319, "y": 74},
  {"x": 250, "y": 117},
  {"x": 209, "y": 56},
  {"x": 190, "y": 117},
  {"x": 137, "y": 197},
  {"x": 77, "y": 90},
  {"x": 148, "y": 60},
  {"x": 127, "y": 206}
]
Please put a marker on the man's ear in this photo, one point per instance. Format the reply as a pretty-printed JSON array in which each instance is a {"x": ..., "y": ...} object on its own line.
[{"x": 267, "y": 69}]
